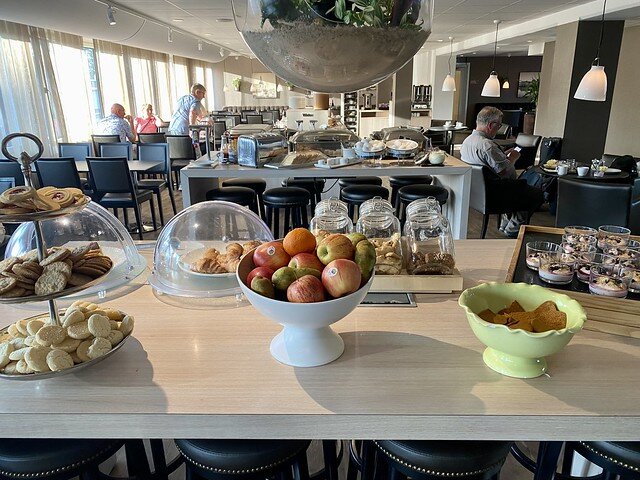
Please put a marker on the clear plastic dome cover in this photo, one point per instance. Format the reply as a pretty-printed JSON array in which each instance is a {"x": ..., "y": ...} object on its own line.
[
  {"x": 188, "y": 238},
  {"x": 91, "y": 224}
]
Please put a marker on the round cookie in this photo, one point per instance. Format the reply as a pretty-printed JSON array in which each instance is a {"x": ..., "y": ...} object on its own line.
[
  {"x": 50, "y": 334},
  {"x": 79, "y": 331},
  {"x": 58, "y": 360},
  {"x": 10, "y": 368},
  {"x": 22, "y": 367},
  {"x": 50, "y": 282},
  {"x": 21, "y": 325},
  {"x": 17, "y": 342},
  {"x": 126, "y": 326},
  {"x": 13, "y": 331},
  {"x": 5, "y": 350},
  {"x": 78, "y": 304},
  {"x": 99, "y": 347},
  {"x": 114, "y": 314},
  {"x": 67, "y": 345},
  {"x": 33, "y": 326},
  {"x": 99, "y": 325},
  {"x": 30, "y": 341},
  {"x": 82, "y": 351},
  {"x": 18, "y": 354},
  {"x": 75, "y": 358},
  {"x": 114, "y": 324},
  {"x": 7, "y": 284},
  {"x": 72, "y": 316},
  {"x": 115, "y": 337},
  {"x": 36, "y": 358}
]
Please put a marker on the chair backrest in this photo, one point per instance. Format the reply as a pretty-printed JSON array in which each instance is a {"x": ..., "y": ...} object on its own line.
[
  {"x": 525, "y": 140},
  {"x": 478, "y": 199},
  {"x": 10, "y": 169},
  {"x": 228, "y": 120},
  {"x": 269, "y": 116},
  {"x": 97, "y": 139},
  {"x": 438, "y": 139},
  {"x": 248, "y": 111},
  {"x": 152, "y": 138},
  {"x": 110, "y": 175},
  {"x": 254, "y": 119},
  {"x": 218, "y": 130},
  {"x": 156, "y": 152},
  {"x": 121, "y": 149},
  {"x": 180, "y": 147},
  {"x": 626, "y": 163},
  {"x": 237, "y": 119},
  {"x": 438, "y": 123},
  {"x": 504, "y": 131},
  {"x": 79, "y": 151},
  {"x": 592, "y": 204},
  {"x": 58, "y": 172},
  {"x": 529, "y": 145}
]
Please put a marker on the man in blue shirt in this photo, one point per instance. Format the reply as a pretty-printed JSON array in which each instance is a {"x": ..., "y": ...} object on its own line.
[
  {"x": 117, "y": 124},
  {"x": 188, "y": 111}
]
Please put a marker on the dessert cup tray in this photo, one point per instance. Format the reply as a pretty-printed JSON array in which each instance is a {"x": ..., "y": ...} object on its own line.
[{"x": 619, "y": 316}]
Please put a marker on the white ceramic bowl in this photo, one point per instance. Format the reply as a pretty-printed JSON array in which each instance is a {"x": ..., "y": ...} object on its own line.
[{"x": 306, "y": 339}]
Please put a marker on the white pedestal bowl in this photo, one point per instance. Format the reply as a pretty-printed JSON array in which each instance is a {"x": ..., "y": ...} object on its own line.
[{"x": 307, "y": 339}]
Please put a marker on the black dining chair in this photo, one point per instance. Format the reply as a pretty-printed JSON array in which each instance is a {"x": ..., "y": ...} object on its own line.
[
  {"x": 10, "y": 169},
  {"x": 158, "y": 152},
  {"x": 237, "y": 119},
  {"x": 111, "y": 179},
  {"x": 218, "y": 130},
  {"x": 120, "y": 149},
  {"x": 255, "y": 119},
  {"x": 529, "y": 149},
  {"x": 268, "y": 116},
  {"x": 181, "y": 152},
  {"x": 152, "y": 137},
  {"x": 60, "y": 173},
  {"x": 98, "y": 139},
  {"x": 79, "y": 151}
]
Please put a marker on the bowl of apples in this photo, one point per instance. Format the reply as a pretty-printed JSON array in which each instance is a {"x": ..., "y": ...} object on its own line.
[{"x": 306, "y": 286}]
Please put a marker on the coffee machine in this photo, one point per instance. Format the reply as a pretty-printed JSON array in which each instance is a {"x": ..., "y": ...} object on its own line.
[{"x": 421, "y": 96}]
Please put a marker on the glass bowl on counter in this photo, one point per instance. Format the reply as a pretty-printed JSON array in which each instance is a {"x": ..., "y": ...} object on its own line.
[
  {"x": 378, "y": 223},
  {"x": 198, "y": 251}
]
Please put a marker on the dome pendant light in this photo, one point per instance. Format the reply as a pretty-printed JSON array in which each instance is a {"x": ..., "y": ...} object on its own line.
[
  {"x": 506, "y": 85},
  {"x": 593, "y": 86},
  {"x": 492, "y": 85},
  {"x": 449, "y": 84}
]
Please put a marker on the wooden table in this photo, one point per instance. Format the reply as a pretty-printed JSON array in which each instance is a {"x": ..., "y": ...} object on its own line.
[
  {"x": 455, "y": 175},
  {"x": 406, "y": 373}
]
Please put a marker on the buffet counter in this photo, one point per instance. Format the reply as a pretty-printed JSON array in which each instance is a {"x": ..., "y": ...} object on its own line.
[
  {"x": 406, "y": 373},
  {"x": 454, "y": 174}
]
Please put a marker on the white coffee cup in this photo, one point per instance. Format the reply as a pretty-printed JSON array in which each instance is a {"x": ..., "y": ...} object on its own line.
[
  {"x": 344, "y": 161},
  {"x": 458, "y": 124},
  {"x": 447, "y": 123},
  {"x": 582, "y": 171},
  {"x": 563, "y": 169}
]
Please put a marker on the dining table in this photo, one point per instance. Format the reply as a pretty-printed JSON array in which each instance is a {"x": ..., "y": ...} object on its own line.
[
  {"x": 406, "y": 373},
  {"x": 618, "y": 177},
  {"x": 197, "y": 179}
]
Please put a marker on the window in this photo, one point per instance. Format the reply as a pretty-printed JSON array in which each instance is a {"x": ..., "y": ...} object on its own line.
[
  {"x": 92, "y": 85},
  {"x": 113, "y": 83}
]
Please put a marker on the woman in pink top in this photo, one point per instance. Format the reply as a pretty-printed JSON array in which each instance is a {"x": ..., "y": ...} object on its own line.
[{"x": 147, "y": 122}]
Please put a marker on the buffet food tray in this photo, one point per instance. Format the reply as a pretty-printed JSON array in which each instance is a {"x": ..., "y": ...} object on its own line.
[
  {"x": 418, "y": 283},
  {"x": 618, "y": 316}
]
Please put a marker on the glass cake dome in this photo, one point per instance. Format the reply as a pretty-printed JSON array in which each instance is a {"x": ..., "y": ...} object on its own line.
[
  {"x": 91, "y": 224},
  {"x": 197, "y": 253}
]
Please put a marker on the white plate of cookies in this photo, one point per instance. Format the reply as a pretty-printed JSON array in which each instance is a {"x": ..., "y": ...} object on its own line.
[
  {"x": 34, "y": 349},
  {"x": 24, "y": 204}
]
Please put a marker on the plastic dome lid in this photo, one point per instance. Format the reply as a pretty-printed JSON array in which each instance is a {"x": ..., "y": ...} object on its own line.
[
  {"x": 184, "y": 241},
  {"x": 91, "y": 224}
]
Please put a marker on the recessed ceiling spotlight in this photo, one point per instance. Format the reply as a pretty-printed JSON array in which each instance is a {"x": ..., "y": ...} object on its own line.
[
  {"x": 441, "y": 40},
  {"x": 170, "y": 36},
  {"x": 199, "y": 45},
  {"x": 178, "y": 20},
  {"x": 224, "y": 20},
  {"x": 110, "y": 16},
  {"x": 529, "y": 41},
  {"x": 221, "y": 52},
  {"x": 207, "y": 34}
]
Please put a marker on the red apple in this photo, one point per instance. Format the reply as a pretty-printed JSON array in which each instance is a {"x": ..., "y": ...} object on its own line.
[
  {"x": 335, "y": 246},
  {"x": 271, "y": 255},
  {"x": 306, "y": 260},
  {"x": 341, "y": 277},
  {"x": 265, "y": 272},
  {"x": 307, "y": 289}
]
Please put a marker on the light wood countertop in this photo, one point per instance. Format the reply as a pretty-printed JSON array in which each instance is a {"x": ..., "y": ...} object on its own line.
[{"x": 406, "y": 373}]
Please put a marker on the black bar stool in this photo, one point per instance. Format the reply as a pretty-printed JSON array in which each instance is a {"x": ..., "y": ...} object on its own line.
[
  {"x": 241, "y": 195},
  {"x": 431, "y": 460},
  {"x": 348, "y": 181},
  {"x": 294, "y": 201},
  {"x": 356, "y": 195},
  {"x": 245, "y": 459},
  {"x": 314, "y": 186},
  {"x": 408, "y": 194},
  {"x": 398, "y": 182},
  {"x": 258, "y": 185}
]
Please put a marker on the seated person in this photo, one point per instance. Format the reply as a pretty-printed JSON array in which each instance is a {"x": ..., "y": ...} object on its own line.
[
  {"x": 147, "y": 122},
  {"x": 480, "y": 149},
  {"x": 117, "y": 124}
]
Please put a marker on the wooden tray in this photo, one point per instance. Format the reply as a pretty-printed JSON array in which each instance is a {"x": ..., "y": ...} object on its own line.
[
  {"x": 619, "y": 316},
  {"x": 418, "y": 283}
]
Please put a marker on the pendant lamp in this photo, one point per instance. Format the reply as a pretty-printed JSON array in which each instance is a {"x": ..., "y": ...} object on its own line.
[
  {"x": 506, "y": 85},
  {"x": 449, "y": 84},
  {"x": 593, "y": 86},
  {"x": 492, "y": 85}
]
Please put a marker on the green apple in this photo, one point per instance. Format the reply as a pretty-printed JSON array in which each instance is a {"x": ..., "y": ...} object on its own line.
[
  {"x": 355, "y": 238},
  {"x": 334, "y": 247},
  {"x": 262, "y": 286},
  {"x": 365, "y": 258},
  {"x": 301, "y": 272},
  {"x": 283, "y": 277}
]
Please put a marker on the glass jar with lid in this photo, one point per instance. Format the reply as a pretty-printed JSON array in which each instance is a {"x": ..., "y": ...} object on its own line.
[
  {"x": 379, "y": 224},
  {"x": 331, "y": 216},
  {"x": 419, "y": 206},
  {"x": 431, "y": 244}
]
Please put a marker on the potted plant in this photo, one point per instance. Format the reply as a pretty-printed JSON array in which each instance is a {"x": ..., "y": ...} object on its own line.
[
  {"x": 236, "y": 82},
  {"x": 532, "y": 92}
]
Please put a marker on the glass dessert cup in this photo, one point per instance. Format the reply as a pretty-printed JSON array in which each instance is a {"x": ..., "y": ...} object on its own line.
[
  {"x": 577, "y": 248},
  {"x": 613, "y": 235},
  {"x": 580, "y": 230},
  {"x": 316, "y": 46},
  {"x": 536, "y": 251},
  {"x": 586, "y": 261},
  {"x": 608, "y": 283},
  {"x": 557, "y": 269},
  {"x": 633, "y": 274}
]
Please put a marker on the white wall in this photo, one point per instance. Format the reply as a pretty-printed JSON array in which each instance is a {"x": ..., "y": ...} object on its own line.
[{"x": 442, "y": 102}]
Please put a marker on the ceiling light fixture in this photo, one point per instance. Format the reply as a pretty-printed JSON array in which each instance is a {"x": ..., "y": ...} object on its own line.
[
  {"x": 170, "y": 36},
  {"x": 221, "y": 52},
  {"x": 449, "y": 84},
  {"x": 110, "y": 16},
  {"x": 199, "y": 45},
  {"x": 506, "y": 85},
  {"x": 593, "y": 86},
  {"x": 492, "y": 85}
]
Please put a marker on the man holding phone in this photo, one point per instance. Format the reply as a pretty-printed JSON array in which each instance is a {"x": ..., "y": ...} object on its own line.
[{"x": 480, "y": 149}]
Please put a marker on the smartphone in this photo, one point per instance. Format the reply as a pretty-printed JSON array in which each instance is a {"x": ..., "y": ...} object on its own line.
[{"x": 517, "y": 149}]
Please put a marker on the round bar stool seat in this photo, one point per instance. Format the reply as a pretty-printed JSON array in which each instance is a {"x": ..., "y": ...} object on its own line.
[
  {"x": 398, "y": 182},
  {"x": 250, "y": 458},
  {"x": 408, "y": 194},
  {"x": 53, "y": 458},
  {"x": 241, "y": 195},
  {"x": 355, "y": 195},
  {"x": 283, "y": 196},
  {"x": 348, "y": 181},
  {"x": 619, "y": 458},
  {"x": 313, "y": 185},
  {"x": 293, "y": 200},
  {"x": 258, "y": 185},
  {"x": 437, "y": 459}
]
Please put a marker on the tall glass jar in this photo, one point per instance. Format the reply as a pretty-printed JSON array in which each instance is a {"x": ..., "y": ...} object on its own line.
[
  {"x": 331, "y": 216},
  {"x": 420, "y": 206},
  {"x": 431, "y": 243},
  {"x": 379, "y": 224}
]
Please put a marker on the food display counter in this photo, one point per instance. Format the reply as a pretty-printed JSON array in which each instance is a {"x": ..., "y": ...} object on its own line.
[{"x": 406, "y": 373}]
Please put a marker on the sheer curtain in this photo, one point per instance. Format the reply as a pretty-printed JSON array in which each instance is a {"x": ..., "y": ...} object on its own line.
[
  {"x": 202, "y": 72},
  {"x": 112, "y": 75}
]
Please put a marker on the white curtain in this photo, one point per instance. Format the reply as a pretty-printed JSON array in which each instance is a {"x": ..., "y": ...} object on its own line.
[{"x": 113, "y": 77}]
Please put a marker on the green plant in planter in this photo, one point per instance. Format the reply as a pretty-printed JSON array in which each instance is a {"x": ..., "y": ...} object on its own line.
[
  {"x": 236, "y": 82},
  {"x": 533, "y": 91}
]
